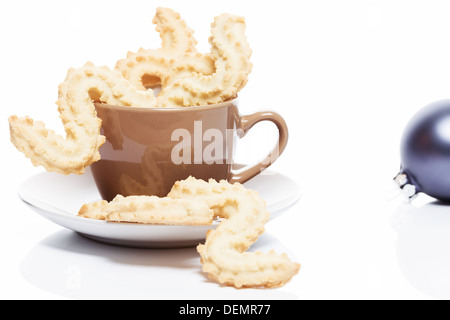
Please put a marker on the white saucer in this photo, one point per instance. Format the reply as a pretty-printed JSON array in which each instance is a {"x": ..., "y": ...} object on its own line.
[{"x": 58, "y": 198}]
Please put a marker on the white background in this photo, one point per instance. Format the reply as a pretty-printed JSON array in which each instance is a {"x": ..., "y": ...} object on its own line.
[{"x": 346, "y": 75}]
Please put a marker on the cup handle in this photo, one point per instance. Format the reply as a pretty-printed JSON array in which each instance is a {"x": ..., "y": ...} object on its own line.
[{"x": 245, "y": 124}]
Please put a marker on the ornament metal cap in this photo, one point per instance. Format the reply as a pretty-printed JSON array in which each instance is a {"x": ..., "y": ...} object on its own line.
[{"x": 407, "y": 190}]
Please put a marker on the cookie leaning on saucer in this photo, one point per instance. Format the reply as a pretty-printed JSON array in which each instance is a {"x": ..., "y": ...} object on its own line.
[
  {"x": 223, "y": 255},
  {"x": 149, "y": 210}
]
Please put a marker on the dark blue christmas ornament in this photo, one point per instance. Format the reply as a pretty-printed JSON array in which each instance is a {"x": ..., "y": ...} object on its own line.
[{"x": 425, "y": 153}]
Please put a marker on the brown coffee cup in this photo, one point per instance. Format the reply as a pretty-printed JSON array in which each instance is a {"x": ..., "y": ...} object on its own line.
[{"x": 148, "y": 149}]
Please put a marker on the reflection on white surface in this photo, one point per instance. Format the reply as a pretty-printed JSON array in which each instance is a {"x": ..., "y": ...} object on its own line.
[
  {"x": 75, "y": 267},
  {"x": 423, "y": 246}
]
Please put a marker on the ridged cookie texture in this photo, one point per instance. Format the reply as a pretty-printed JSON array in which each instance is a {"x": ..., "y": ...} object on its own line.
[
  {"x": 149, "y": 68},
  {"x": 231, "y": 53},
  {"x": 149, "y": 210},
  {"x": 77, "y": 94},
  {"x": 223, "y": 256},
  {"x": 244, "y": 215}
]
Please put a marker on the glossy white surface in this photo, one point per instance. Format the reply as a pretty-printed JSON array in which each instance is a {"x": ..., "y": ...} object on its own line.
[
  {"x": 58, "y": 199},
  {"x": 346, "y": 75}
]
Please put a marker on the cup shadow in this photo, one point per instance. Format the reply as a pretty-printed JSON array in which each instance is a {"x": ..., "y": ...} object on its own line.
[
  {"x": 72, "y": 266},
  {"x": 423, "y": 239}
]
